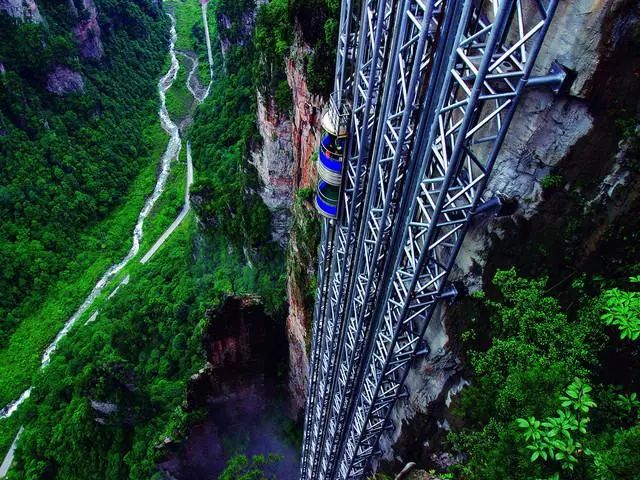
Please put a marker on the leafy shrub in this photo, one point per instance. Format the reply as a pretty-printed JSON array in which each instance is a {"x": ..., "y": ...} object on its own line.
[
  {"x": 522, "y": 420},
  {"x": 622, "y": 310},
  {"x": 552, "y": 180},
  {"x": 240, "y": 467}
]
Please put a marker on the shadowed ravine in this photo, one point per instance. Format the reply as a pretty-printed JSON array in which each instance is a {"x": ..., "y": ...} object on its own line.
[{"x": 242, "y": 389}]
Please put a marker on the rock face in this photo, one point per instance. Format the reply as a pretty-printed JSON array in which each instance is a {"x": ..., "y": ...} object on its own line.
[
  {"x": 285, "y": 165},
  {"x": 284, "y": 160},
  {"x": 570, "y": 136},
  {"x": 26, "y": 10},
  {"x": 306, "y": 138},
  {"x": 87, "y": 30},
  {"x": 307, "y": 109},
  {"x": 243, "y": 347},
  {"x": 63, "y": 81},
  {"x": 241, "y": 34},
  {"x": 273, "y": 162}
]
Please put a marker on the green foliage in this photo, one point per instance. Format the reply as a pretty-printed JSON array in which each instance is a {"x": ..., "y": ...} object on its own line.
[
  {"x": 272, "y": 37},
  {"x": 146, "y": 342},
  {"x": 628, "y": 403},
  {"x": 306, "y": 235},
  {"x": 617, "y": 457},
  {"x": 224, "y": 194},
  {"x": 240, "y": 467},
  {"x": 236, "y": 14},
  {"x": 224, "y": 128},
  {"x": 522, "y": 421},
  {"x": 319, "y": 20},
  {"x": 552, "y": 180},
  {"x": 558, "y": 438},
  {"x": 190, "y": 30},
  {"x": 21, "y": 358},
  {"x": 535, "y": 349},
  {"x": 137, "y": 356},
  {"x": 179, "y": 99},
  {"x": 622, "y": 310}
]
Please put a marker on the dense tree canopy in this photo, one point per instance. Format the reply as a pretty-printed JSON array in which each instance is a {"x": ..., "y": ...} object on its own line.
[
  {"x": 67, "y": 160},
  {"x": 529, "y": 366}
]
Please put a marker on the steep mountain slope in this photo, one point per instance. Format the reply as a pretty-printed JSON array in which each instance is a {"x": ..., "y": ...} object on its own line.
[
  {"x": 73, "y": 106},
  {"x": 111, "y": 400}
]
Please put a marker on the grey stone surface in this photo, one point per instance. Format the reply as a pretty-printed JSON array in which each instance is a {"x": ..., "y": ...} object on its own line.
[
  {"x": 273, "y": 161},
  {"x": 63, "y": 81},
  {"x": 26, "y": 10}
]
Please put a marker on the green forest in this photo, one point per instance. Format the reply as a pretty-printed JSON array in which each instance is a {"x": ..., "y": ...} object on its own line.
[
  {"x": 79, "y": 168},
  {"x": 67, "y": 162},
  {"x": 542, "y": 403}
]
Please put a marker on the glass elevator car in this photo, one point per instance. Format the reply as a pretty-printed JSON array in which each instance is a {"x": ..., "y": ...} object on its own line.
[{"x": 330, "y": 160}]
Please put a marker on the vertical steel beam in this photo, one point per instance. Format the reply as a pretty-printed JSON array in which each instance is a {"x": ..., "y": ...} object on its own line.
[
  {"x": 325, "y": 255},
  {"x": 312, "y": 405},
  {"x": 406, "y": 204},
  {"x": 486, "y": 79},
  {"x": 376, "y": 21}
]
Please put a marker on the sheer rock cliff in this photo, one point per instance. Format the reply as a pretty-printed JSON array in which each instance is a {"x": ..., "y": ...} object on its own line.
[
  {"x": 301, "y": 256},
  {"x": 87, "y": 30},
  {"x": 26, "y": 10},
  {"x": 284, "y": 160},
  {"x": 273, "y": 162}
]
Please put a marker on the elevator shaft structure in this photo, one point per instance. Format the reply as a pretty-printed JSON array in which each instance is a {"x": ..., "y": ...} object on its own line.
[{"x": 424, "y": 94}]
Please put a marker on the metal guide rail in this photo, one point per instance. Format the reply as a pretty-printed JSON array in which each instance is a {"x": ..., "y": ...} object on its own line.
[
  {"x": 430, "y": 88},
  {"x": 407, "y": 64}
]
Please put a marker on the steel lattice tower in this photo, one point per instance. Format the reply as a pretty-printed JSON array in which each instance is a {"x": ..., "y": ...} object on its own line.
[{"x": 424, "y": 92}]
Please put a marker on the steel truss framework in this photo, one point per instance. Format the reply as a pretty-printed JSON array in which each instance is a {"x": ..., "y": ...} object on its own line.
[{"x": 432, "y": 86}]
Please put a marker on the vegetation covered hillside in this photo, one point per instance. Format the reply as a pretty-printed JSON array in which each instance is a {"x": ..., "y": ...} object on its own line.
[
  {"x": 113, "y": 396},
  {"x": 69, "y": 158}
]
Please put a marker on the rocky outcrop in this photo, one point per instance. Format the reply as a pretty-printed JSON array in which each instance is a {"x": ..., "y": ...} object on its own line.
[
  {"x": 238, "y": 395},
  {"x": 307, "y": 109},
  {"x": 284, "y": 159},
  {"x": 236, "y": 31},
  {"x": 245, "y": 350},
  {"x": 26, "y": 10},
  {"x": 301, "y": 259},
  {"x": 285, "y": 164},
  {"x": 87, "y": 30},
  {"x": 572, "y": 137},
  {"x": 273, "y": 162},
  {"x": 64, "y": 81},
  {"x": 238, "y": 342}
]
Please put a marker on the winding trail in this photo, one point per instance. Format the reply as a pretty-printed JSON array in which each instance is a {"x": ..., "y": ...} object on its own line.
[
  {"x": 171, "y": 152},
  {"x": 181, "y": 216},
  {"x": 199, "y": 93},
  {"x": 4, "y": 468},
  {"x": 125, "y": 281}
]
